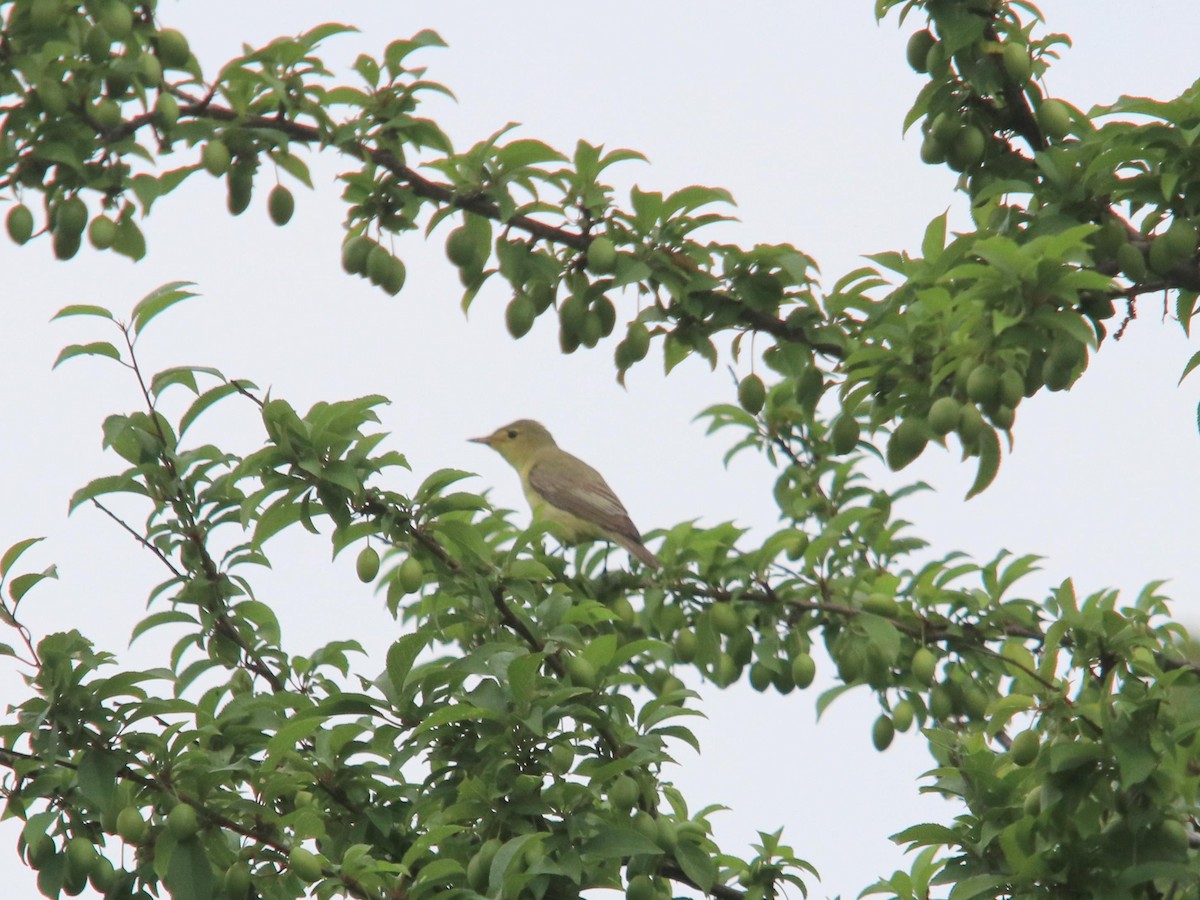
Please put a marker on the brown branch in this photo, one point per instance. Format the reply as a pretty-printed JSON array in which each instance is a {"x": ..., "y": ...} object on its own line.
[{"x": 138, "y": 537}]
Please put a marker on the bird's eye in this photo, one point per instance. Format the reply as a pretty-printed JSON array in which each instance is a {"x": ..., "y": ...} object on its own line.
[{"x": 511, "y": 434}]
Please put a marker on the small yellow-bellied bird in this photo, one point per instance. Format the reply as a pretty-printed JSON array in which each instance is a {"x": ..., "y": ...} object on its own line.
[{"x": 564, "y": 490}]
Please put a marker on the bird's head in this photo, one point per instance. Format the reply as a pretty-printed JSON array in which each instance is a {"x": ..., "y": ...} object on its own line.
[{"x": 518, "y": 441}]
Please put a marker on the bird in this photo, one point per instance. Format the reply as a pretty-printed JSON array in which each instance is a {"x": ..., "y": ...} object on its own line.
[{"x": 564, "y": 490}]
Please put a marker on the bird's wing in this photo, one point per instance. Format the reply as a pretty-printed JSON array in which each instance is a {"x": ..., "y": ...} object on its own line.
[{"x": 575, "y": 487}]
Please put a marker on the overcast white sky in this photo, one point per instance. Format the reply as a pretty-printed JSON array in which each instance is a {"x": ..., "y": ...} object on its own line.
[{"x": 797, "y": 109}]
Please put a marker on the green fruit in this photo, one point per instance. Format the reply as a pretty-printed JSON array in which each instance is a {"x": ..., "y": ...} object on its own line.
[
  {"x": 166, "y": 107},
  {"x": 102, "y": 232},
  {"x": 624, "y": 794},
  {"x": 641, "y": 887},
  {"x": 983, "y": 384},
  {"x": 19, "y": 223},
  {"x": 520, "y": 315},
  {"x": 367, "y": 564},
  {"x": 637, "y": 339},
  {"x": 882, "y": 733},
  {"x": 685, "y": 646},
  {"x": 1003, "y": 417},
  {"x": 907, "y": 442},
  {"x": 1097, "y": 307},
  {"x": 967, "y": 149},
  {"x": 240, "y": 187},
  {"x": 974, "y": 701},
  {"x": 182, "y": 821},
  {"x": 411, "y": 575},
  {"x": 45, "y": 14},
  {"x": 305, "y": 865},
  {"x": 150, "y": 70},
  {"x": 601, "y": 256},
  {"x": 81, "y": 856},
  {"x": 726, "y": 671},
  {"x": 97, "y": 42},
  {"x": 1181, "y": 237},
  {"x": 924, "y": 663},
  {"x": 215, "y": 157},
  {"x": 804, "y": 669},
  {"x": 1054, "y": 117},
  {"x": 1024, "y": 748},
  {"x": 725, "y": 619},
  {"x": 944, "y": 415},
  {"x": 591, "y": 329},
  {"x": 568, "y": 341},
  {"x": 740, "y": 646},
  {"x": 130, "y": 825},
  {"x": 395, "y": 276},
  {"x": 39, "y": 850},
  {"x": 71, "y": 215},
  {"x": 541, "y": 294},
  {"x": 106, "y": 113},
  {"x": 103, "y": 875},
  {"x": 580, "y": 671},
  {"x": 849, "y": 662},
  {"x": 280, "y": 205},
  {"x": 117, "y": 19},
  {"x": 1017, "y": 63},
  {"x": 941, "y": 703},
  {"x": 881, "y": 605},
  {"x": 970, "y": 425},
  {"x": 933, "y": 153},
  {"x": 52, "y": 97},
  {"x": 607, "y": 314},
  {"x": 562, "y": 757},
  {"x": 173, "y": 48},
  {"x": 480, "y": 866},
  {"x": 902, "y": 715},
  {"x": 460, "y": 249},
  {"x": 1132, "y": 262},
  {"x": 917, "y": 50},
  {"x": 845, "y": 434},
  {"x": 1012, "y": 387},
  {"x": 355, "y": 251},
  {"x": 752, "y": 394},
  {"x": 572, "y": 314},
  {"x": 237, "y": 880},
  {"x": 379, "y": 261},
  {"x": 66, "y": 243},
  {"x": 760, "y": 677},
  {"x": 668, "y": 833}
]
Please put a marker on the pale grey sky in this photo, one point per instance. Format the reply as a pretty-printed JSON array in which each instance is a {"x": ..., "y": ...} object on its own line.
[{"x": 796, "y": 109}]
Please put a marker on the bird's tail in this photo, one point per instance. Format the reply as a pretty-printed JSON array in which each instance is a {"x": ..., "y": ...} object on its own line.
[{"x": 641, "y": 551}]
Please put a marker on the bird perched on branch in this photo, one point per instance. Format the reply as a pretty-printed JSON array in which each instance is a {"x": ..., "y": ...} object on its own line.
[{"x": 564, "y": 490}]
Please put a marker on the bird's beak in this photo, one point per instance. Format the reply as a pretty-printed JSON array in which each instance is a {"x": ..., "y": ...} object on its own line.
[{"x": 482, "y": 440}]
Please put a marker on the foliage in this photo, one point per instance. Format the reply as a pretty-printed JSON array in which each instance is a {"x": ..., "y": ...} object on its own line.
[{"x": 512, "y": 742}]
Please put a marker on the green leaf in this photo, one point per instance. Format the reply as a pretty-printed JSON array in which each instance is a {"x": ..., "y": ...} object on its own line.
[
  {"x": 22, "y": 584},
  {"x": 82, "y": 309},
  {"x": 697, "y": 865},
  {"x": 927, "y": 833},
  {"x": 989, "y": 462},
  {"x": 189, "y": 875},
  {"x": 207, "y": 399},
  {"x": 935, "y": 237},
  {"x": 97, "y": 776},
  {"x": 1191, "y": 364},
  {"x": 619, "y": 842},
  {"x": 401, "y": 655},
  {"x": 12, "y": 553},
  {"x": 158, "y": 301},
  {"x": 108, "y": 484},
  {"x": 96, "y": 348}
]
